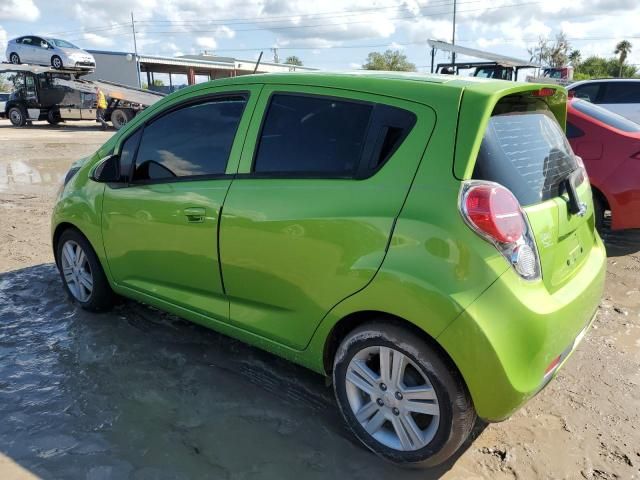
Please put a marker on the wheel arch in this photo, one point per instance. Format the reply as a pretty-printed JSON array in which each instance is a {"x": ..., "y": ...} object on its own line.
[
  {"x": 354, "y": 320},
  {"x": 597, "y": 192},
  {"x": 59, "y": 230}
]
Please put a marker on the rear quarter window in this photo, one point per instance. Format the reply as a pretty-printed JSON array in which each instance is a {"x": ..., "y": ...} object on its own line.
[{"x": 526, "y": 151}]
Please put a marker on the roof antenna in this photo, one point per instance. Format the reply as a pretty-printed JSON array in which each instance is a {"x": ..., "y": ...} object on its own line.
[{"x": 258, "y": 62}]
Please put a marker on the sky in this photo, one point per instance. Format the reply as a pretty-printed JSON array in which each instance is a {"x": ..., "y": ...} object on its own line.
[{"x": 329, "y": 34}]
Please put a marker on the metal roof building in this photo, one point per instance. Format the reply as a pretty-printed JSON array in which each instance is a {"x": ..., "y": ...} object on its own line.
[{"x": 122, "y": 67}]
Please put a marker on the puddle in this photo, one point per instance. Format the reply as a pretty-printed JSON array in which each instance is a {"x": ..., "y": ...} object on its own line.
[{"x": 137, "y": 393}]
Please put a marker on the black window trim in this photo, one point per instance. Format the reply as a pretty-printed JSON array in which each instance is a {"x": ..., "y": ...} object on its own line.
[
  {"x": 358, "y": 173},
  {"x": 201, "y": 99}
]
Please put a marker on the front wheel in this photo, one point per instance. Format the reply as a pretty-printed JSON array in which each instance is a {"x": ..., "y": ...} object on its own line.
[
  {"x": 14, "y": 58},
  {"x": 18, "y": 116},
  {"x": 81, "y": 272},
  {"x": 56, "y": 62},
  {"x": 400, "y": 397}
]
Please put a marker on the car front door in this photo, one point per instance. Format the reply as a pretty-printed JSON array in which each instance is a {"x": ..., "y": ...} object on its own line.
[
  {"x": 160, "y": 222},
  {"x": 307, "y": 221}
]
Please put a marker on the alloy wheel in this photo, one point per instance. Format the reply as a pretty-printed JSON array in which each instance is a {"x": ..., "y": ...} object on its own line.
[
  {"x": 77, "y": 271},
  {"x": 392, "y": 399}
]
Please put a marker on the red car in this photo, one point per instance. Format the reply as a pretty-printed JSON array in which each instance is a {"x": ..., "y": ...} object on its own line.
[{"x": 609, "y": 145}]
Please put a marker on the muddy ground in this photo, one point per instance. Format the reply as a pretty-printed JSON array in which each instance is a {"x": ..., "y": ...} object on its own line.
[{"x": 140, "y": 394}]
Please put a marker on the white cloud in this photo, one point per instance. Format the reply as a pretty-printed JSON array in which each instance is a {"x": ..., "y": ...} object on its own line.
[
  {"x": 3, "y": 39},
  {"x": 19, "y": 10},
  {"x": 95, "y": 40},
  {"x": 206, "y": 42}
]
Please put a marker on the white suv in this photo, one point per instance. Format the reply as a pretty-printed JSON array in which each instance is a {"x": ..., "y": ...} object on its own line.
[{"x": 621, "y": 96}]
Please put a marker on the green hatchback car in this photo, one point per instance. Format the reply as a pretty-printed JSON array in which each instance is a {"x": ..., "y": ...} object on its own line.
[{"x": 426, "y": 241}]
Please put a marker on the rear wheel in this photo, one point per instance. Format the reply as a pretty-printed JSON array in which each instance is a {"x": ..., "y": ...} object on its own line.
[
  {"x": 81, "y": 272},
  {"x": 598, "y": 209},
  {"x": 53, "y": 117},
  {"x": 120, "y": 117},
  {"x": 56, "y": 62},
  {"x": 14, "y": 58},
  {"x": 17, "y": 116},
  {"x": 400, "y": 398}
]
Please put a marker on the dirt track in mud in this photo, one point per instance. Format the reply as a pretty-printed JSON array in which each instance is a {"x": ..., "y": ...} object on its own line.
[{"x": 137, "y": 393}]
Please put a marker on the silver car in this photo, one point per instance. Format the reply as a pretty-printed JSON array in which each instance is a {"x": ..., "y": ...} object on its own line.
[
  {"x": 48, "y": 51},
  {"x": 620, "y": 95}
]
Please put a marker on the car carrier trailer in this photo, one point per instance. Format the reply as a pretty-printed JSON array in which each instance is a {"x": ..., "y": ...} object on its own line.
[{"x": 57, "y": 95}]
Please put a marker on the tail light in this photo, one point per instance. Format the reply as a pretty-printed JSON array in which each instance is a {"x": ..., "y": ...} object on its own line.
[
  {"x": 581, "y": 166},
  {"x": 494, "y": 213}
]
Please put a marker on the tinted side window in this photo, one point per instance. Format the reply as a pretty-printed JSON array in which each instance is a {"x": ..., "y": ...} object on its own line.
[
  {"x": 193, "y": 141},
  {"x": 621, "y": 92},
  {"x": 312, "y": 135},
  {"x": 588, "y": 91},
  {"x": 573, "y": 131},
  {"x": 127, "y": 154}
]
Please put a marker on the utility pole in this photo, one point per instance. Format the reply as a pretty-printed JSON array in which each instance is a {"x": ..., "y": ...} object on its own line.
[
  {"x": 453, "y": 37},
  {"x": 135, "y": 49}
]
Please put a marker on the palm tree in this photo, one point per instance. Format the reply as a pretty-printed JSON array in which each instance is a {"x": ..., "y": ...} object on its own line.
[
  {"x": 575, "y": 57},
  {"x": 623, "y": 49}
]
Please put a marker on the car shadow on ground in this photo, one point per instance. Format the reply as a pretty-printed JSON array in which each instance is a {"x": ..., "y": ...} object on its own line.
[
  {"x": 620, "y": 242},
  {"x": 84, "y": 126},
  {"x": 140, "y": 393}
]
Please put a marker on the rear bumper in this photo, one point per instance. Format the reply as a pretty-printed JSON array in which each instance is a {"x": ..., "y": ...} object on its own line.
[{"x": 505, "y": 342}]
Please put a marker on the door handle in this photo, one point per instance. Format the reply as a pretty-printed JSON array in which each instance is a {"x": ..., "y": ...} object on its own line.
[{"x": 195, "y": 214}]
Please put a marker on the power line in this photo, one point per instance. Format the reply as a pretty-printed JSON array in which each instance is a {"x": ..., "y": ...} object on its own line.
[{"x": 296, "y": 27}]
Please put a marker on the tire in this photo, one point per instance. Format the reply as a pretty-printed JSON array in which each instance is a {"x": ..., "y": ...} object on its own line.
[
  {"x": 598, "y": 211},
  {"x": 53, "y": 117},
  {"x": 14, "y": 58},
  {"x": 18, "y": 116},
  {"x": 56, "y": 62},
  {"x": 388, "y": 407},
  {"x": 77, "y": 261},
  {"x": 120, "y": 117}
]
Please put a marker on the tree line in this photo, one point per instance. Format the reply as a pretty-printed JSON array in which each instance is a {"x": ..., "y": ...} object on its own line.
[
  {"x": 559, "y": 53},
  {"x": 556, "y": 53}
]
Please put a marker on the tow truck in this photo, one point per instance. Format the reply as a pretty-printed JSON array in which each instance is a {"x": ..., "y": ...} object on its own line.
[
  {"x": 493, "y": 66},
  {"x": 57, "y": 95}
]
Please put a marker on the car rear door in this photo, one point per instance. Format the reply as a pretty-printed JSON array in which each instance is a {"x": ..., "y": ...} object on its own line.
[
  {"x": 309, "y": 216},
  {"x": 160, "y": 222}
]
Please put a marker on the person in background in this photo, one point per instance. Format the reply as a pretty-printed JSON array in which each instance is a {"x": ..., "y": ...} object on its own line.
[{"x": 101, "y": 106}]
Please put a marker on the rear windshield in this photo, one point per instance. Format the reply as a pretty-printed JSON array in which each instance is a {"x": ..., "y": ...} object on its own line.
[
  {"x": 527, "y": 152},
  {"x": 605, "y": 116}
]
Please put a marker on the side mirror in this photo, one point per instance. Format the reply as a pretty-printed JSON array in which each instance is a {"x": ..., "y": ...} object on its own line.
[{"x": 108, "y": 171}]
